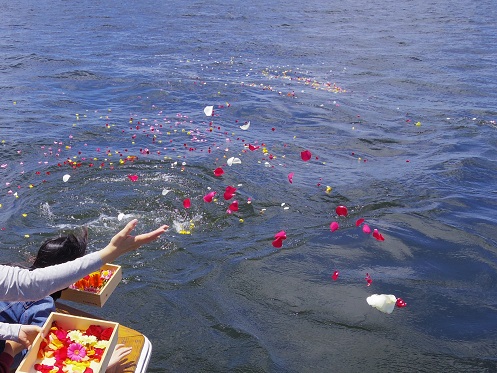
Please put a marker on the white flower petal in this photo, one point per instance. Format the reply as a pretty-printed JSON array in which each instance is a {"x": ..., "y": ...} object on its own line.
[
  {"x": 382, "y": 302},
  {"x": 208, "y": 110}
]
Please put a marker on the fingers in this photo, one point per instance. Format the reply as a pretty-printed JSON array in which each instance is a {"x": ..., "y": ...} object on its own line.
[
  {"x": 150, "y": 236},
  {"x": 129, "y": 227}
]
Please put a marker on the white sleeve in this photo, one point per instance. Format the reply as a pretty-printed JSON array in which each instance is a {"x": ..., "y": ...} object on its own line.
[
  {"x": 9, "y": 331},
  {"x": 18, "y": 284}
]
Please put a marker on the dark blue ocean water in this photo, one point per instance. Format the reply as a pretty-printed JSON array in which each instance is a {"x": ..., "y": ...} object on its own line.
[{"x": 396, "y": 101}]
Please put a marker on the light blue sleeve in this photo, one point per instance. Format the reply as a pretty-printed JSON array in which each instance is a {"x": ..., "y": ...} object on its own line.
[
  {"x": 9, "y": 331},
  {"x": 18, "y": 284}
]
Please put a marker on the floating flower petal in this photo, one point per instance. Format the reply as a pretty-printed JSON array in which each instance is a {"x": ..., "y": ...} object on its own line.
[
  {"x": 290, "y": 177},
  {"x": 366, "y": 229},
  {"x": 133, "y": 178},
  {"x": 400, "y": 303},
  {"x": 341, "y": 211},
  {"x": 368, "y": 279},
  {"x": 209, "y": 197},
  {"x": 280, "y": 234},
  {"x": 359, "y": 222},
  {"x": 234, "y": 206},
  {"x": 233, "y": 160},
  {"x": 245, "y": 126},
  {"x": 305, "y": 155},
  {"x": 253, "y": 147},
  {"x": 208, "y": 110},
  {"x": 218, "y": 172},
  {"x": 278, "y": 242},
  {"x": 66, "y": 178},
  {"x": 334, "y": 276},
  {"x": 334, "y": 226},
  {"x": 382, "y": 302},
  {"x": 378, "y": 235},
  {"x": 187, "y": 203},
  {"x": 229, "y": 193}
]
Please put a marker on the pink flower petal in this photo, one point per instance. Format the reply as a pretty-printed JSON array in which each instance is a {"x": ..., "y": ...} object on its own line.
[
  {"x": 186, "y": 203},
  {"x": 359, "y": 222},
  {"x": 209, "y": 197},
  {"x": 334, "y": 276},
  {"x": 341, "y": 211},
  {"x": 366, "y": 229},
  {"x": 133, "y": 178},
  {"x": 218, "y": 172},
  {"x": 290, "y": 177},
  {"x": 334, "y": 226},
  {"x": 305, "y": 155},
  {"x": 378, "y": 235},
  {"x": 280, "y": 234},
  {"x": 252, "y": 147}
]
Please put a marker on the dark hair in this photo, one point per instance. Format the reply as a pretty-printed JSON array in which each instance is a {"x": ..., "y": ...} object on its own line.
[{"x": 60, "y": 250}]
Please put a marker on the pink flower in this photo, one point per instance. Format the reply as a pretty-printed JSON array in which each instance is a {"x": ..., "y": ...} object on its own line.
[
  {"x": 334, "y": 226},
  {"x": 76, "y": 352},
  {"x": 366, "y": 229},
  {"x": 133, "y": 178},
  {"x": 186, "y": 203}
]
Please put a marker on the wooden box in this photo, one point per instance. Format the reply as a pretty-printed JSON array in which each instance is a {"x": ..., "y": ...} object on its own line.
[
  {"x": 70, "y": 322},
  {"x": 96, "y": 299}
]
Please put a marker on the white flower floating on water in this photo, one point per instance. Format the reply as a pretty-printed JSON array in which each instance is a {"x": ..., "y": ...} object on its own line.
[
  {"x": 382, "y": 302},
  {"x": 233, "y": 160},
  {"x": 208, "y": 110},
  {"x": 245, "y": 126},
  {"x": 66, "y": 178}
]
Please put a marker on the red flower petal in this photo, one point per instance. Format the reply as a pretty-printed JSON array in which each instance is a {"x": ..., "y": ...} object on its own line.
[
  {"x": 218, "y": 171},
  {"x": 366, "y": 229},
  {"x": 290, "y": 177},
  {"x": 341, "y": 211},
  {"x": 278, "y": 242},
  {"x": 359, "y": 222},
  {"x": 400, "y": 303},
  {"x": 305, "y": 155},
  {"x": 368, "y": 279},
  {"x": 252, "y": 147},
  {"x": 281, "y": 235},
  {"x": 334, "y": 276},
  {"x": 334, "y": 226},
  {"x": 229, "y": 193},
  {"x": 133, "y": 178},
  {"x": 378, "y": 235},
  {"x": 234, "y": 206},
  {"x": 186, "y": 203},
  {"x": 209, "y": 196}
]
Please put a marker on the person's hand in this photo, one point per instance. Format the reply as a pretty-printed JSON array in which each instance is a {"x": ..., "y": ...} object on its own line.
[
  {"x": 124, "y": 242},
  {"x": 117, "y": 362},
  {"x": 13, "y": 348},
  {"x": 27, "y": 334}
]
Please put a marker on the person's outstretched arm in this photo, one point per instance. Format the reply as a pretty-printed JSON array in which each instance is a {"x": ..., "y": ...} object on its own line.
[{"x": 22, "y": 284}]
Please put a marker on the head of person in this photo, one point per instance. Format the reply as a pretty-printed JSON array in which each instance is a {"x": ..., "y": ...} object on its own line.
[{"x": 60, "y": 250}]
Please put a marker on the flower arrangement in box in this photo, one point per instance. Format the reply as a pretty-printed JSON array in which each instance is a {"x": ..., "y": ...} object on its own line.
[
  {"x": 94, "y": 282},
  {"x": 72, "y": 350}
]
